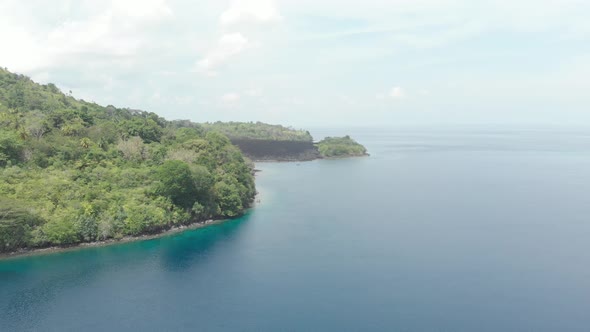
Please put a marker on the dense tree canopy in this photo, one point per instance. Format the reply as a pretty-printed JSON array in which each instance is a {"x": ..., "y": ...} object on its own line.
[
  {"x": 259, "y": 130},
  {"x": 335, "y": 147},
  {"x": 73, "y": 171},
  {"x": 176, "y": 182}
]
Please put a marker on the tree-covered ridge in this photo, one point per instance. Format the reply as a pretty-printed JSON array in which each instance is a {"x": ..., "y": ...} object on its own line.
[
  {"x": 259, "y": 131},
  {"x": 335, "y": 147},
  {"x": 73, "y": 171}
]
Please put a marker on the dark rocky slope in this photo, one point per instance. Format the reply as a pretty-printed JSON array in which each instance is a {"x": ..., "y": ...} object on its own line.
[{"x": 271, "y": 150}]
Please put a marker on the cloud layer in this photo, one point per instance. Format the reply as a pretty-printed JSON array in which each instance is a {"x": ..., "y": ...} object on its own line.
[
  {"x": 180, "y": 58},
  {"x": 229, "y": 46},
  {"x": 250, "y": 11}
]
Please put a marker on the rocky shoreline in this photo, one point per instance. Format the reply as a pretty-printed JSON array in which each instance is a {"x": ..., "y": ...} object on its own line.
[
  {"x": 173, "y": 230},
  {"x": 126, "y": 239},
  {"x": 259, "y": 150},
  {"x": 273, "y": 150}
]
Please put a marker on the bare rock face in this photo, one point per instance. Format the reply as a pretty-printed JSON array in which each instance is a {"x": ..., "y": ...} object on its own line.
[{"x": 261, "y": 150}]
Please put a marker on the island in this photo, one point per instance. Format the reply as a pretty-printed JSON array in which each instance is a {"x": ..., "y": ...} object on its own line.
[
  {"x": 340, "y": 147},
  {"x": 75, "y": 172}
]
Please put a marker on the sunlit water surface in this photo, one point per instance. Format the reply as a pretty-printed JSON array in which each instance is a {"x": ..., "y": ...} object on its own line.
[{"x": 439, "y": 230}]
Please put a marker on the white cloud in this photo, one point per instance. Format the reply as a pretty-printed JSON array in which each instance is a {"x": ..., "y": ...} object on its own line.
[
  {"x": 102, "y": 50},
  {"x": 394, "y": 93},
  {"x": 116, "y": 31},
  {"x": 184, "y": 100},
  {"x": 254, "y": 92},
  {"x": 231, "y": 44},
  {"x": 230, "y": 98},
  {"x": 228, "y": 47},
  {"x": 98, "y": 35},
  {"x": 346, "y": 99},
  {"x": 250, "y": 11},
  {"x": 142, "y": 10},
  {"x": 293, "y": 100},
  {"x": 113, "y": 29},
  {"x": 397, "y": 92},
  {"x": 156, "y": 96}
]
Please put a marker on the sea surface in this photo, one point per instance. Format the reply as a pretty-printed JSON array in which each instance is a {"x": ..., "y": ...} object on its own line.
[{"x": 455, "y": 229}]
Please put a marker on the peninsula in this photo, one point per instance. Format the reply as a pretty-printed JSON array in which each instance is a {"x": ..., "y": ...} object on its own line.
[
  {"x": 75, "y": 172},
  {"x": 265, "y": 142}
]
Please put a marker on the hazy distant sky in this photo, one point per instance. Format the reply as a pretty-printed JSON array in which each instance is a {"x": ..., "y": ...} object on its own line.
[{"x": 312, "y": 62}]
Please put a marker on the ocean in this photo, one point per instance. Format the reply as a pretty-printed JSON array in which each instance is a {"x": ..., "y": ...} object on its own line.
[{"x": 440, "y": 229}]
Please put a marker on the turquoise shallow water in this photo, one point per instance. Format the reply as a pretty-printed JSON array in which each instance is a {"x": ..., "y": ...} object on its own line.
[{"x": 439, "y": 230}]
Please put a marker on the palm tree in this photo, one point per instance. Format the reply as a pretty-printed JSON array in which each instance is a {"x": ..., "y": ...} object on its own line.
[{"x": 85, "y": 142}]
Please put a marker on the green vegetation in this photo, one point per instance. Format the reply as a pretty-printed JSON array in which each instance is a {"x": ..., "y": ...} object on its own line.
[
  {"x": 338, "y": 147},
  {"x": 259, "y": 130},
  {"x": 73, "y": 171}
]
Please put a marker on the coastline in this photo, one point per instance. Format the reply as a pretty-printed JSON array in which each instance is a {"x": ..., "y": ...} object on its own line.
[
  {"x": 346, "y": 157},
  {"x": 126, "y": 239},
  {"x": 173, "y": 230},
  {"x": 308, "y": 160}
]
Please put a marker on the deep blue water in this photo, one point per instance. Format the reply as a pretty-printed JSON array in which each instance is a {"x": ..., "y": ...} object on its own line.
[{"x": 439, "y": 230}]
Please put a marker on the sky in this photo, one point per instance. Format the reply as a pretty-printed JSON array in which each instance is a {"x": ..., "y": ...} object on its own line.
[{"x": 312, "y": 62}]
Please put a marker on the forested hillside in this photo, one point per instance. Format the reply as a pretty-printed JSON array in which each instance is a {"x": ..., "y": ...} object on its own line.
[
  {"x": 73, "y": 171},
  {"x": 259, "y": 131},
  {"x": 263, "y": 142}
]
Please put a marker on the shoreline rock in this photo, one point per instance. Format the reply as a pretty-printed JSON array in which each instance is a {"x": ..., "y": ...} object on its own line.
[
  {"x": 259, "y": 150},
  {"x": 127, "y": 239}
]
